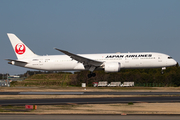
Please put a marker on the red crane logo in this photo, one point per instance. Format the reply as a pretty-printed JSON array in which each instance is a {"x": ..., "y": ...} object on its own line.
[{"x": 20, "y": 48}]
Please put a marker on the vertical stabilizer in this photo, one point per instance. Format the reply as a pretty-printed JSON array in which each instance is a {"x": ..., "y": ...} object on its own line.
[{"x": 20, "y": 49}]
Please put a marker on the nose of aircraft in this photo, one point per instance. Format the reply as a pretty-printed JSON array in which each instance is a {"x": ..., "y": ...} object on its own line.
[{"x": 173, "y": 62}]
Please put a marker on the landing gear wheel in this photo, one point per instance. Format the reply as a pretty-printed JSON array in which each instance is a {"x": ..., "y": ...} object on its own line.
[{"x": 91, "y": 75}]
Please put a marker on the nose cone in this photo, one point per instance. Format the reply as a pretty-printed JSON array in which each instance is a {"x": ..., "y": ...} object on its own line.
[{"x": 173, "y": 62}]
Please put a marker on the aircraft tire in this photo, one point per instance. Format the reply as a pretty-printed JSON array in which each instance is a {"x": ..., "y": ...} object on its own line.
[
  {"x": 89, "y": 75},
  {"x": 93, "y": 74}
]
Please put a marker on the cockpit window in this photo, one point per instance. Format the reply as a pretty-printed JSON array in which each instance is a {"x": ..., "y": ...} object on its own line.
[{"x": 169, "y": 57}]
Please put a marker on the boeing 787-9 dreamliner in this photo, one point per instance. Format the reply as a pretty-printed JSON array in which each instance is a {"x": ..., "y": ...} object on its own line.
[{"x": 109, "y": 62}]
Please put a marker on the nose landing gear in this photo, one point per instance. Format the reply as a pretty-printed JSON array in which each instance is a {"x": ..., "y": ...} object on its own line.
[{"x": 162, "y": 71}]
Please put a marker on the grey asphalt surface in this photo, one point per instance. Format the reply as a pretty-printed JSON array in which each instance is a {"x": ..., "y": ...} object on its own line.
[
  {"x": 159, "y": 99},
  {"x": 89, "y": 117},
  {"x": 58, "y": 101},
  {"x": 89, "y": 93}
]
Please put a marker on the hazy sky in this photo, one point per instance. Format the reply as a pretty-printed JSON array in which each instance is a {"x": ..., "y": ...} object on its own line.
[{"x": 89, "y": 26}]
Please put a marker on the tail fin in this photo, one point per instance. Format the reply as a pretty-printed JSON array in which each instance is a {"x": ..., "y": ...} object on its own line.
[{"x": 20, "y": 49}]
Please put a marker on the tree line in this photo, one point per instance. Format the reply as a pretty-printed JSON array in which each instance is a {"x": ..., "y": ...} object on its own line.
[{"x": 170, "y": 77}]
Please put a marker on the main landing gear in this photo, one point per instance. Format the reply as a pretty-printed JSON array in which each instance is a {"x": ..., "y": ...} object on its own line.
[{"x": 91, "y": 75}]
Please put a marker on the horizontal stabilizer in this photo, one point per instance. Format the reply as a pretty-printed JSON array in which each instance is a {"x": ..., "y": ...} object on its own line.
[{"x": 15, "y": 61}]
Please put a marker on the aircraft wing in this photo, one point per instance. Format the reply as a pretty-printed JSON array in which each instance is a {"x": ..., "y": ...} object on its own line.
[{"x": 85, "y": 61}]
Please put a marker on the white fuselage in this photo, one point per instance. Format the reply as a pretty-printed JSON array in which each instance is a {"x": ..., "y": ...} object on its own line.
[
  {"x": 127, "y": 60},
  {"x": 110, "y": 62}
]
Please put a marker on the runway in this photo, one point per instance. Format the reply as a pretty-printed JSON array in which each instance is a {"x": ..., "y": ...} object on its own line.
[
  {"x": 58, "y": 101},
  {"x": 46, "y": 101},
  {"x": 89, "y": 117},
  {"x": 89, "y": 93},
  {"x": 172, "y": 97}
]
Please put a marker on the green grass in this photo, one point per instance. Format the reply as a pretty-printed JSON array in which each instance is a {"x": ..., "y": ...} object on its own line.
[
  {"x": 38, "y": 80},
  {"x": 130, "y": 103},
  {"x": 11, "y": 108}
]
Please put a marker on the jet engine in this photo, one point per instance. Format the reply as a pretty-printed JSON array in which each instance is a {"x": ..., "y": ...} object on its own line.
[{"x": 112, "y": 66}]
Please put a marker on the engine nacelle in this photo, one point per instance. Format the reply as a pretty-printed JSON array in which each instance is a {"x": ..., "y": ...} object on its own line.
[{"x": 112, "y": 66}]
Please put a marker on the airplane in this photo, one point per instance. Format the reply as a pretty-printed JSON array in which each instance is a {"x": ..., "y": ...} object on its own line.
[{"x": 109, "y": 62}]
